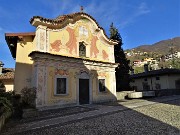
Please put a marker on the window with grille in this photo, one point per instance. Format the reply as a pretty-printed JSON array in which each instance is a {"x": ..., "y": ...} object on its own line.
[
  {"x": 82, "y": 50},
  {"x": 102, "y": 87},
  {"x": 61, "y": 86}
]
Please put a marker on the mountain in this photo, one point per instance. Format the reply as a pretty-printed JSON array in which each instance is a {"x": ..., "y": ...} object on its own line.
[{"x": 161, "y": 47}]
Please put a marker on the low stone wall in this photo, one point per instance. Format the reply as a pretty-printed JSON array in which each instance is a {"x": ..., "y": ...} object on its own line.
[
  {"x": 121, "y": 95},
  {"x": 3, "y": 118},
  {"x": 142, "y": 94},
  {"x": 167, "y": 92}
]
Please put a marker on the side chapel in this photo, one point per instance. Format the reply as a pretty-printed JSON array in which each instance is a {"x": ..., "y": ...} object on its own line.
[{"x": 69, "y": 59}]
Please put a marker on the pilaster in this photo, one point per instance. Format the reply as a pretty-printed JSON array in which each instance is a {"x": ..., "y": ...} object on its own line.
[{"x": 41, "y": 39}]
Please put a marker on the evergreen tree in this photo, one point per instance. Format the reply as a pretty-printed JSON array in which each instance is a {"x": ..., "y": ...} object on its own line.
[{"x": 122, "y": 71}]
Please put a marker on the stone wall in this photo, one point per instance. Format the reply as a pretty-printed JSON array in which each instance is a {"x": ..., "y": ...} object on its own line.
[
  {"x": 167, "y": 92},
  {"x": 121, "y": 95}
]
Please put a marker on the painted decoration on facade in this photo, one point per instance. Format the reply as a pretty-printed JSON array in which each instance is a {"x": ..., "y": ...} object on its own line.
[
  {"x": 51, "y": 73},
  {"x": 42, "y": 40},
  {"x": 71, "y": 44},
  {"x": 101, "y": 74},
  {"x": 94, "y": 51},
  {"x": 56, "y": 45},
  {"x": 83, "y": 34},
  {"x": 63, "y": 99},
  {"x": 58, "y": 40},
  {"x": 40, "y": 86},
  {"x": 66, "y": 41},
  {"x": 61, "y": 72},
  {"x": 103, "y": 50},
  {"x": 83, "y": 31},
  {"x": 105, "y": 55}
]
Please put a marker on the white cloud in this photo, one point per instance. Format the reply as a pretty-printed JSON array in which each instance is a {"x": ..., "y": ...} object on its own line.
[
  {"x": 136, "y": 11},
  {"x": 143, "y": 9}
]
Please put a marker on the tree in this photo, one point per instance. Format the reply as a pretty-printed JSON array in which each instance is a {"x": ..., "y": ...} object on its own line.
[
  {"x": 174, "y": 63},
  {"x": 2, "y": 87},
  {"x": 122, "y": 71}
]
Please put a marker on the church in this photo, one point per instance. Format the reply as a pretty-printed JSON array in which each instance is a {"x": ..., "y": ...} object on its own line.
[{"x": 69, "y": 59}]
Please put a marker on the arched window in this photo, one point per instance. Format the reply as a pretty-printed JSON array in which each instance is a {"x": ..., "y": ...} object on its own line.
[{"x": 82, "y": 50}]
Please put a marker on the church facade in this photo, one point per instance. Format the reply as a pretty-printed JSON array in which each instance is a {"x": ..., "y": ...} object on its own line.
[{"x": 69, "y": 59}]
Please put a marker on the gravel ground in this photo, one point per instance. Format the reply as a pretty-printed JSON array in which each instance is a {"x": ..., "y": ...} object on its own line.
[{"x": 156, "y": 119}]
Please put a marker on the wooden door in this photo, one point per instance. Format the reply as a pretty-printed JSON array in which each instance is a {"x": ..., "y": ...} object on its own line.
[{"x": 83, "y": 91}]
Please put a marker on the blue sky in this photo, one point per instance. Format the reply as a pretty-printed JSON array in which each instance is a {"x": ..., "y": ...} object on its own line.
[{"x": 138, "y": 21}]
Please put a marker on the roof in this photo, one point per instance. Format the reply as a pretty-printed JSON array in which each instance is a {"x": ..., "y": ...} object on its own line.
[
  {"x": 12, "y": 39},
  {"x": 166, "y": 71},
  {"x": 63, "y": 20},
  {"x": 59, "y": 22},
  {"x": 19, "y": 34},
  {"x": 7, "y": 73}
]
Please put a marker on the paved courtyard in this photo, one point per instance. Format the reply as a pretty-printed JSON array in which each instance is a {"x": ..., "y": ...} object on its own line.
[{"x": 157, "y": 116}]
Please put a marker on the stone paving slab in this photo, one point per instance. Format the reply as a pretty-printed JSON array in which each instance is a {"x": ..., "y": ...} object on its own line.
[{"x": 102, "y": 110}]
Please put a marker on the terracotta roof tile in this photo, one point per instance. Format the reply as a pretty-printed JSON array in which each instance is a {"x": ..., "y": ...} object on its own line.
[
  {"x": 63, "y": 18},
  {"x": 7, "y": 73}
]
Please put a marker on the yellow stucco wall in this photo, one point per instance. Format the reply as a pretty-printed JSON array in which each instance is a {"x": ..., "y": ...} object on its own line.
[
  {"x": 61, "y": 99},
  {"x": 9, "y": 84},
  {"x": 72, "y": 91},
  {"x": 9, "y": 87},
  {"x": 66, "y": 42},
  {"x": 108, "y": 94},
  {"x": 23, "y": 68}
]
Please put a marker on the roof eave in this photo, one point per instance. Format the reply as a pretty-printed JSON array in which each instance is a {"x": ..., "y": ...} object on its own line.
[
  {"x": 12, "y": 39},
  {"x": 57, "y": 24},
  {"x": 36, "y": 53}
]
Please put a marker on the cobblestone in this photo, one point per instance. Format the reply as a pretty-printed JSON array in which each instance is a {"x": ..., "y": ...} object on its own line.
[{"x": 160, "y": 117}]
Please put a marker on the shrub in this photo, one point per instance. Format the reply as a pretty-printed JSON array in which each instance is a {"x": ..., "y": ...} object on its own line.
[
  {"x": 17, "y": 106},
  {"x": 7, "y": 95},
  {"x": 28, "y": 96},
  {"x": 2, "y": 87},
  {"x": 5, "y": 99},
  {"x": 10, "y": 103},
  {"x": 5, "y": 105}
]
